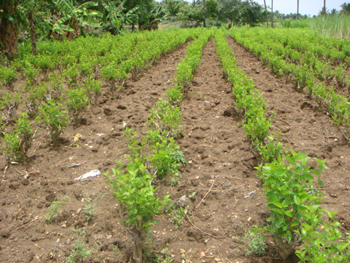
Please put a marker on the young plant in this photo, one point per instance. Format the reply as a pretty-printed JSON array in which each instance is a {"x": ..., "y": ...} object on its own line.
[
  {"x": 175, "y": 95},
  {"x": 8, "y": 75},
  {"x": 165, "y": 117},
  {"x": 88, "y": 209},
  {"x": 179, "y": 214},
  {"x": 138, "y": 203},
  {"x": 293, "y": 199},
  {"x": 9, "y": 105},
  {"x": 54, "y": 209},
  {"x": 166, "y": 157},
  {"x": 93, "y": 89},
  {"x": 80, "y": 252},
  {"x": 77, "y": 102},
  {"x": 30, "y": 72},
  {"x": 54, "y": 118},
  {"x": 34, "y": 99},
  {"x": 256, "y": 243}
]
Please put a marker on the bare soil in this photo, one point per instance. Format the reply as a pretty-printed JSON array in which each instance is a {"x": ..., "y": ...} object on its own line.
[{"x": 227, "y": 197}]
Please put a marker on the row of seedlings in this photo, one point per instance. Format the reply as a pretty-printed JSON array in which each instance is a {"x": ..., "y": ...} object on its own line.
[
  {"x": 335, "y": 104},
  {"x": 333, "y": 67},
  {"x": 153, "y": 162},
  {"x": 294, "y": 200},
  {"x": 52, "y": 103}
]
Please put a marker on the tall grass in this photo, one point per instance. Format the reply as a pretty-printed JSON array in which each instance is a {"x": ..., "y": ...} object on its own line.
[
  {"x": 337, "y": 25},
  {"x": 296, "y": 23}
]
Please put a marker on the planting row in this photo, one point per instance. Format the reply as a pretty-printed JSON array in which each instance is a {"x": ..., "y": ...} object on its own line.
[
  {"x": 86, "y": 56},
  {"x": 333, "y": 50},
  {"x": 294, "y": 199},
  {"x": 52, "y": 102},
  {"x": 324, "y": 71},
  {"x": 154, "y": 159},
  {"x": 336, "y": 104}
]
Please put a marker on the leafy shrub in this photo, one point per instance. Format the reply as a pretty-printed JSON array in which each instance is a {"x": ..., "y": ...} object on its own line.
[
  {"x": 54, "y": 118},
  {"x": 165, "y": 117},
  {"x": 77, "y": 102},
  {"x": 138, "y": 203}
]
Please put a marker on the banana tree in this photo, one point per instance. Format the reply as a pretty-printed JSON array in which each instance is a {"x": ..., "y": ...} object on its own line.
[
  {"x": 76, "y": 17},
  {"x": 115, "y": 15}
]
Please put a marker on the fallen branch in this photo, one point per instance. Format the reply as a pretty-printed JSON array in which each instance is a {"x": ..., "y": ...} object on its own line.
[
  {"x": 206, "y": 194},
  {"x": 201, "y": 229}
]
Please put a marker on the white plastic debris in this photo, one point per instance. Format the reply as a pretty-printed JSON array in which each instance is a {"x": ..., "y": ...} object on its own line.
[{"x": 92, "y": 173}]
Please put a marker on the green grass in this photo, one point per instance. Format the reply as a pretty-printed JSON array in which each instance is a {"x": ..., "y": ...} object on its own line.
[
  {"x": 337, "y": 25},
  {"x": 332, "y": 25}
]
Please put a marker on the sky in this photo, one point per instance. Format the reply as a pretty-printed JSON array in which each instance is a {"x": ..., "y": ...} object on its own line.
[{"x": 306, "y": 7}]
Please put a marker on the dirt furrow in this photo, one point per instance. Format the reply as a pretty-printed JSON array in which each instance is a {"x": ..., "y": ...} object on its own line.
[
  {"x": 220, "y": 171},
  {"x": 305, "y": 128},
  {"x": 29, "y": 189}
]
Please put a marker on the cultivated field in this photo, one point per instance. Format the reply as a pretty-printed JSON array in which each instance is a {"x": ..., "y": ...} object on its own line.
[{"x": 198, "y": 137}]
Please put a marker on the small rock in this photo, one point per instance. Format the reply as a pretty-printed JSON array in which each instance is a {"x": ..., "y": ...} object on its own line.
[
  {"x": 207, "y": 105},
  {"x": 121, "y": 107},
  {"x": 96, "y": 111},
  {"x": 51, "y": 197},
  {"x": 230, "y": 112},
  {"x": 333, "y": 195},
  {"x": 183, "y": 201},
  {"x": 226, "y": 185},
  {"x": 107, "y": 111}
]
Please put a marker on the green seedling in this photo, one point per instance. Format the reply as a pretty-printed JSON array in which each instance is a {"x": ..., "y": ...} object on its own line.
[
  {"x": 54, "y": 209},
  {"x": 9, "y": 104},
  {"x": 54, "y": 119},
  {"x": 80, "y": 251},
  {"x": 138, "y": 203},
  {"x": 256, "y": 243},
  {"x": 77, "y": 102},
  {"x": 165, "y": 117}
]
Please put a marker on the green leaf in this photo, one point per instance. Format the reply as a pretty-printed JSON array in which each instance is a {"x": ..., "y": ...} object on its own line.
[{"x": 297, "y": 200}]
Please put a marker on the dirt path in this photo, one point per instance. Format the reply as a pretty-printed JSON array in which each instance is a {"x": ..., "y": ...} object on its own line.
[
  {"x": 228, "y": 198},
  {"x": 28, "y": 190},
  {"x": 305, "y": 128}
]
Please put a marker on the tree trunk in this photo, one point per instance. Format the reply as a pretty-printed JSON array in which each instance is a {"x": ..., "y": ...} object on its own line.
[
  {"x": 267, "y": 15},
  {"x": 204, "y": 14},
  {"x": 8, "y": 31},
  {"x": 271, "y": 13},
  {"x": 137, "y": 255},
  {"x": 32, "y": 32},
  {"x": 297, "y": 9}
]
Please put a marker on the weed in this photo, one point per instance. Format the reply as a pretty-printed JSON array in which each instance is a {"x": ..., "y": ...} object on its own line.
[
  {"x": 164, "y": 256},
  {"x": 256, "y": 243},
  {"x": 80, "y": 252},
  {"x": 54, "y": 209},
  {"x": 88, "y": 209},
  {"x": 178, "y": 215}
]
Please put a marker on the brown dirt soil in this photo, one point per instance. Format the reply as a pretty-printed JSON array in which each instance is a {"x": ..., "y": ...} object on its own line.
[{"x": 228, "y": 197}]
